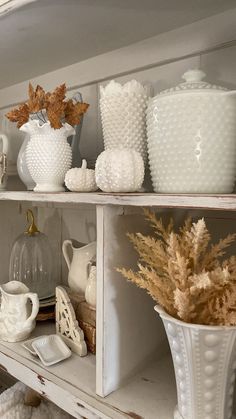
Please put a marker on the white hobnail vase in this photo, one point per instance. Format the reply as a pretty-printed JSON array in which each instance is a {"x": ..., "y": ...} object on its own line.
[
  {"x": 192, "y": 138},
  {"x": 123, "y": 115},
  {"x": 204, "y": 360},
  {"x": 48, "y": 155}
]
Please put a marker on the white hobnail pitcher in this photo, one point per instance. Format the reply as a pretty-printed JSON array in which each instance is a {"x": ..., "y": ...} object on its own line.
[
  {"x": 22, "y": 167},
  {"x": 18, "y": 311},
  {"x": 82, "y": 255},
  {"x": 48, "y": 155},
  {"x": 4, "y": 144},
  {"x": 204, "y": 360}
]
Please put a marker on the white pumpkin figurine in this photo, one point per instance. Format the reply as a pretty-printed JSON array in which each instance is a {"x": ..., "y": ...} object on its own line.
[
  {"x": 119, "y": 170},
  {"x": 81, "y": 179}
]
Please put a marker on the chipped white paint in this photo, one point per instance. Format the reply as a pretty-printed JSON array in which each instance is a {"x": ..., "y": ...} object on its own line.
[
  {"x": 213, "y": 202},
  {"x": 66, "y": 324}
]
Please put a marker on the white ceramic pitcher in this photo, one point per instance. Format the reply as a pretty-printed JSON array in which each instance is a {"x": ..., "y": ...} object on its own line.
[
  {"x": 3, "y": 160},
  {"x": 91, "y": 288},
  {"x": 17, "y": 314},
  {"x": 82, "y": 254}
]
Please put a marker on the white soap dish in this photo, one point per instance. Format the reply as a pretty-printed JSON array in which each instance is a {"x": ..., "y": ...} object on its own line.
[
  {"x": 28, "y": 345},
  {"x": 51, "y": 349}
]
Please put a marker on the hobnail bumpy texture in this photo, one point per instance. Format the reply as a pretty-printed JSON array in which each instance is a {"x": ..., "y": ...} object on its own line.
[
  {"x": 80, "y": 180},
  {"x": 119, "y": 170},
  {"x": 192, "y": 143},
  {"x": 48, "y": 158},
  {"x": 123, "y": 116},
  {"x": 204, "y": 360}
]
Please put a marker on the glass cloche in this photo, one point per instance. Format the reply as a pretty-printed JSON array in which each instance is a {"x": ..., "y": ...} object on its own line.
[{"x": 31, "y": 261}]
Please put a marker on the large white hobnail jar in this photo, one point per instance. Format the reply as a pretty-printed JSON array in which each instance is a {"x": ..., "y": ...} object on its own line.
[
  {"x": 48, "y": 155},
  {"x": 204, "y": 360},
  {"x": 192, "y": 137}
]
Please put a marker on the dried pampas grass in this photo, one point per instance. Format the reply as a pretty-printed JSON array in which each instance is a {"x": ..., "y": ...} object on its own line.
[{"x": 186, "y": 274}]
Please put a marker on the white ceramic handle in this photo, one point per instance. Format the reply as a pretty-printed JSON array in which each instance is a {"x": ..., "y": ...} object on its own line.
[
  {"x": 5, "y": 143},
  {"x": 65, "y": 245},
  {"x": 35, "y": 306}
]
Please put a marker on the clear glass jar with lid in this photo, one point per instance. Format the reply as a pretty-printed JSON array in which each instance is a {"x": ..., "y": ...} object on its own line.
[{"x": 31, "y": 261}]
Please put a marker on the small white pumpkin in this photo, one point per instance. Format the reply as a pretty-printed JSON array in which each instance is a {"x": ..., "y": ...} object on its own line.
[
  {"x": 119, "y": 170},
  {"x": 81, "y": 179}
]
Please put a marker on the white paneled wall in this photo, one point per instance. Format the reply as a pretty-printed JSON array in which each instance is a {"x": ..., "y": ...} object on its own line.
[
  {"x": 12, "y": 224},
  {"x": 64, "y": 223},
  {"x": 220, "y": 66},
  {"x": 91, "y": 141}
]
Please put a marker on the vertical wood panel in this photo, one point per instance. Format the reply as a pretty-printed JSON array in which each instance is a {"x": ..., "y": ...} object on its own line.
[{"x": 132, "y": 333}]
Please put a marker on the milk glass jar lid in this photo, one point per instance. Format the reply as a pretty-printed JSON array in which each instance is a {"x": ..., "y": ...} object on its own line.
[{"x": 193, "y": 82}]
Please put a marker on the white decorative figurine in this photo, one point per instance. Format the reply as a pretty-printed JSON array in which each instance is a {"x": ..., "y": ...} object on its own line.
[
  {"x": 66, "y": 324},
  {"x": 81, "y": 179},
  {"x": 119, "y": 170}
]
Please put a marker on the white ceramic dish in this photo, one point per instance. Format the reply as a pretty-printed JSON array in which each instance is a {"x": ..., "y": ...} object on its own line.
[
  {"x": 51, "y": 349},
  {"x": 28, "y": 345}
]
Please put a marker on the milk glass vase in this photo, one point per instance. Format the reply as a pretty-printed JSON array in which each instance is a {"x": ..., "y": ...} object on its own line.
[
  {"x": 48, "y": 155},
  {"x": 123, "y": 115},
  {"x": 204, "y": 360},
  {"x": 22, "y": 168}
]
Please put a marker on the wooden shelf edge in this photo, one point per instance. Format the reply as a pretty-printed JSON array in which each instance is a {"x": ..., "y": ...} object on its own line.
[
  {"x": 120, "y": 404},
  {"x": 188, "y": 201}
]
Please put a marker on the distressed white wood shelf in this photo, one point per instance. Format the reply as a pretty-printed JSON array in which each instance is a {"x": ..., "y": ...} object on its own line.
[
  {"x": 71, "y": 384},
  {"x": 199, "y": 201}
]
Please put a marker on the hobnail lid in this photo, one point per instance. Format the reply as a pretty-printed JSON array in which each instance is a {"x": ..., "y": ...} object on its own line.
[{"x": 193, "y": 81}]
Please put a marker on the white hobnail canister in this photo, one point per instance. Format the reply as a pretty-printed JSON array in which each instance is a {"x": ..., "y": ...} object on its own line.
[
  {"x": 192, "y": 137},
  {"x": 123, "y": 115},
  {"x": 48, "y": 155},
  {"x": 204, "y": 360}
]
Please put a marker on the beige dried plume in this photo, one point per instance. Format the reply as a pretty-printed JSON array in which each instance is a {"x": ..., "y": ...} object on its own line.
[{"x": 185, "y": 273}]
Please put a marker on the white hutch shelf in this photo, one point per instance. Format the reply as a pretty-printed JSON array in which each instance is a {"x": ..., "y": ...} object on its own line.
[
  {"x": 200, "y": 201},
  {"x": 132, "y": 373},
  {"x": 128, "y": 377},
  {"x": 71, "y": 384}
]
